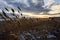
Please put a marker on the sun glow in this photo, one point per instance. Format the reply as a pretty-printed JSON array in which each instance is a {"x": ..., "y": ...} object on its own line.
[
  {"x": 39, "y": 16},
  {"x": 35, "y": 16}
]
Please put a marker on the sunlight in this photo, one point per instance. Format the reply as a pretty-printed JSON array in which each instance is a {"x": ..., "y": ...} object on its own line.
[
  {"x": 35, "y": 16},
  {"x": 39, "y": 16}
]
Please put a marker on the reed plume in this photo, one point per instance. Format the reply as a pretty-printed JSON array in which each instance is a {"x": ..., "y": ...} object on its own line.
[
  {"x": 12, "y": 10},
  {"x": 14, "y": 13},
  {"x": 19, "y": 8},
  {"x": 20, "y": 11},
  {"x": 5, "y": 15},
  {"x": 2, "y": 16},
  {"x": 6, "y": 9}
]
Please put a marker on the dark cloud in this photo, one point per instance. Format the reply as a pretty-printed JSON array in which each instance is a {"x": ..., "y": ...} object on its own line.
[{"x": 27, "y": 6}]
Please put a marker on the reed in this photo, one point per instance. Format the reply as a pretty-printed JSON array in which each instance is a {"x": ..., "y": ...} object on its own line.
[
  {"x": 19, "y": 10},
  {"x": 5, "y": 15},
  {"x": 24, "y": 24},
  {"x": 6, "y": 9}
]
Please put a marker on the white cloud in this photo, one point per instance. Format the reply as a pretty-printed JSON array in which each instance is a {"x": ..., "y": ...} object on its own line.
[
  {"x": 21, "y": 1},
  {"x": 3, "y": 3},
  {"x": 51, "y": 4},
  {"x": 48, "y": 2},
  {"x": 55, "y": 9}
]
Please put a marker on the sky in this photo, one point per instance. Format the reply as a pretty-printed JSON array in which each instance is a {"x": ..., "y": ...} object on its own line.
[
  {"x": 57, "y": 1},
  {"x": 33, "y": 7}
]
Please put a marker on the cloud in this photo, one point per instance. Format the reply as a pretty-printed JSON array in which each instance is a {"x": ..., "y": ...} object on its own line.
[
  {"x": 4, "y": 4},
  {"x": 55, "y": 9},
  {"x": 53, "y": 6},
  {"x": 33, "y": 6},
  {"x": 26, "y": 5},
  {"x": 48, "y": 3}
]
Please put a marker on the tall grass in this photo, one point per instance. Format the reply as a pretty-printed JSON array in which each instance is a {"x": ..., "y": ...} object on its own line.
[{"x": 24, "y": 24}]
